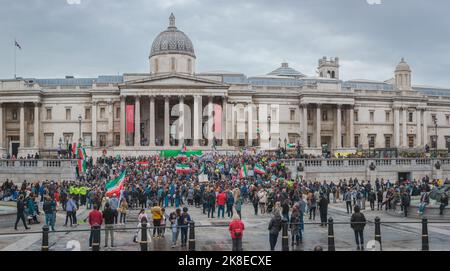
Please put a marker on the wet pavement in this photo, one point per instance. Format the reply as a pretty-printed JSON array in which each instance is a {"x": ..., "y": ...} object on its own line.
[{"x": 212, "y": 234}]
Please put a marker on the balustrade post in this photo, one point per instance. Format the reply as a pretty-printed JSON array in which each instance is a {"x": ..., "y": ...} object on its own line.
[
  {"x": 144, "y": 243},
  {"x": 378, "y": 231},
  {"x": 191, "y": 244},
  {"x": 96, "y": 238},
  {"x": 425, "y": 244},
  {"x": 45, "y": 230},
  {"x": 285, "y": 237}
]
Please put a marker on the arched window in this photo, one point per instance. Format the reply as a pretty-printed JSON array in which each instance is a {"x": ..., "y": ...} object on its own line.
[{"x": 172, "y": 60}]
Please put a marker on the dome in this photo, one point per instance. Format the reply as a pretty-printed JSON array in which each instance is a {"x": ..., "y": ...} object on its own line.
[
  {"x": 403, "y": 66},
  {"x": 172, "y": 41}
]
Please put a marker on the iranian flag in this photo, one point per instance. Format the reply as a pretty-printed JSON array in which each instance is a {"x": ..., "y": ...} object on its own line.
[
  {"x": 144, "y": 164},
  {"x": 81, "y": 152},
  {"x": 74, "y": 148},
  {"x": 273, "y": 163},
  {"x": 243, "y": 172},
  {"x": 259, "y": 169},
  {"x": 81, "y": 166},
  {"x": 115, "y": 186},
  {"x": 182, "y": 168}
]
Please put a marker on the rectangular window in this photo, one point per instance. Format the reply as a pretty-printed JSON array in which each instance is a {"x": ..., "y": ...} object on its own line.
[
  {"x": 388, "y": 116},
  {"x": 433, "y": 118},
  {"x": 309, "y": 141},
  {"x": 292, "y": 114},
  {"x": 356, "y": 115},
  {"x": 14, "y": 115},
  {"x": 117, "y": 139},
  {"x": 324, "y": 115},
  {"x": 411, "y": 141},
  {"x": 274, "y": 115},
  {"x": 68, "y": 115},
  {"x": 102, "y": 112},
  {"x": 102, "y": 140},
  {"x": 371, "y": 116},
  {"x": 48, "y": 140},
  {"x": 387, "y": 141},
  {"x": 68, "y": 138},
  {"x": 117, "y": 112},
  {"x": 372, "y": 141},
  {"x": 410, "y": 116},
  {"x": 356, "y": 141},
  {"x": 87, "y": 113},
  {"x": 447, "y": 142},
  {"x": 447, "y": 120},
  {"x": 433, "y": 140},
  {"x": 87, "y": 139},
  {"x": 48, "y": 115}
]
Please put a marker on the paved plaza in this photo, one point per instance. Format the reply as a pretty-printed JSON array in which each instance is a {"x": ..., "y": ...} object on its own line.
[{"x": 401, "y": 236}]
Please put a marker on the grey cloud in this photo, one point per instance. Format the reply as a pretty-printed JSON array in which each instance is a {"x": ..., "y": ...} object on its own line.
[{"x": 253, "y": 37}]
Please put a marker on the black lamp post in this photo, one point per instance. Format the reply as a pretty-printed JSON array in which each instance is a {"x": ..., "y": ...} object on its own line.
[
  {"x": 269, "y": 119},
  {"x": 79, "y": 128},
  {"x": 435, "y": 137},
  {"x": 59, "y": 146}
]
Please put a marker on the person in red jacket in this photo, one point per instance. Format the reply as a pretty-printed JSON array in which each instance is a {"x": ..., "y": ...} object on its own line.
[
  {"x": 95, "y": 218},
  {"x": 236, "y": 229},
  {"x": 221, "y": 200}
]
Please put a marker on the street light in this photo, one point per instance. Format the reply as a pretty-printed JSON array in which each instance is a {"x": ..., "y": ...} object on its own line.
[
  {"x": 435, "y": 137},
  {"x": 79, "y": 128},
  {"x": 269, "y": 118},
  {"x": 59, "y": 146}
]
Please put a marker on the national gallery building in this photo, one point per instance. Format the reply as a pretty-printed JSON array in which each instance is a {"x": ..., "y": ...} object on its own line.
[{"x": 172, "y": 105}]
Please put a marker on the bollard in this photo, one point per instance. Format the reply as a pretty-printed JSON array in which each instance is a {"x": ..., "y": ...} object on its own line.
[
  {"x": 144, "y": 243},
  {"x": 425, "y": 244},
  {"x": 192, "y": 236},
  {"x": 285, "y": 237},
  {"x": 45, "y": 230},
  {"x": 331, "y": 246},
  {"x": 378, "y": 231},
  {"x": 96, "y": 238}
]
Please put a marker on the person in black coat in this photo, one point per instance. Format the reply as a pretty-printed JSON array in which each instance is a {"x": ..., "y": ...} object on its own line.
[
  {"x": 358, "y": 222},
  {"x": 323, "y": 209},
  {"x": 371, "y": 197},
  {"x": 20, "y": 213},
  {"x": 211, "y": 202}
]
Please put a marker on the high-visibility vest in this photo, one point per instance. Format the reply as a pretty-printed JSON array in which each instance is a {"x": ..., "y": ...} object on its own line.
[
  {"x": 83, "y": 191},
  {"x": 71, "y": 190},
  {"x": 76, "y": 191}
]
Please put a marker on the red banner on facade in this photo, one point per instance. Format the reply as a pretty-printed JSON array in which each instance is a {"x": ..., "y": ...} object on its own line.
[
  {"x": 130, "y": 118},
  {"x": 217, "y": 119}
]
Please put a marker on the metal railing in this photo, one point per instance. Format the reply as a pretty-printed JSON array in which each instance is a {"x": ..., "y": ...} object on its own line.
[{"x": 143, "y": 242}]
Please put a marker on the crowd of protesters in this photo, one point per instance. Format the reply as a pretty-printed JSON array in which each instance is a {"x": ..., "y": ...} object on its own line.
[{"x": 216, "y": 184}]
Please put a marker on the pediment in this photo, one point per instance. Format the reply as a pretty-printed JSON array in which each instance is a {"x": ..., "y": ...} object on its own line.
[{"x": 173, "y": 80}]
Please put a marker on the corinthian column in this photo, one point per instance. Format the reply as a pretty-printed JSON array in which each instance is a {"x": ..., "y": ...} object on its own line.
[
  {"x": 181, "y": 122},
  {"x": 122, "y": 121},
  {"x": 152, "y": 121},
  {"x": 137, "y": 122},
  {"x": 166, "y": 122},
  {"x": 318, "y": 126},
  {"x": 36, "y": 125}
]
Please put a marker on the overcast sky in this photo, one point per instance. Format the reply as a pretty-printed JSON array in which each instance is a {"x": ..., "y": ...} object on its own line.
[{"x": 103, "y": 37}]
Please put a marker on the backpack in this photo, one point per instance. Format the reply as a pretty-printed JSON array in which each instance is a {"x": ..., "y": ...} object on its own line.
[{"x": 237, "y": 232}]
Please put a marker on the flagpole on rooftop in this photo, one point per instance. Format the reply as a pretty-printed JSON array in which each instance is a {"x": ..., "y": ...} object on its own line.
[{"x": 15, "y": 59}]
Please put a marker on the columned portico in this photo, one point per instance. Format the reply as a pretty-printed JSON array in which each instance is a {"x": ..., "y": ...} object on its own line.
[
  {"x": 152, "y": 122},
  {"x": 181, "y": 128},
  {"x": 22, "y": 125},
  {"x": 94, "y": 124},
  {"x": 318, "y": 126},
  {"x": 166, "y": 122},
  {"x": 2, "y": 130},
  {"x": 351, "y": 127},
  {"x": 210, "y": 121},
  {"x": 338, "y": 127},
  {"x": 35, "y": 127},
  {"x": 404, "y": 124},
  {"x": 122, "y": 121},
  {"x": 418, "y": 127},
  {"x": 137, "y": 121},
  {"x": 396, "y": 126},
  {"x": 305, "y": 125},
  {"x": 197, "y": 120},
  {"x": 425, "y": 126},
  {"x": 224, "y": 121}
]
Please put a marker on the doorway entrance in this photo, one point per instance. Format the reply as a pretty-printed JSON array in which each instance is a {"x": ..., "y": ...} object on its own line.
[
  {"x": 403, "y": 176},
  {"x": 14, "y": 148}
]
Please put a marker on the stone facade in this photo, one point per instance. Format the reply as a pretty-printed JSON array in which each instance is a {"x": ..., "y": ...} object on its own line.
[{"x": 175, "y": 105}]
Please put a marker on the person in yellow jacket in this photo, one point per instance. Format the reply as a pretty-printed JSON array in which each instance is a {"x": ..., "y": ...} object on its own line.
[
  {"x": 83, "y": 191},
  {"x": 156, "y": 215}
]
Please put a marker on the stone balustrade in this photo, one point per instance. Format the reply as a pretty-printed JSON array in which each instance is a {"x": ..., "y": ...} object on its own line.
[{"x": 42, "y": 169}]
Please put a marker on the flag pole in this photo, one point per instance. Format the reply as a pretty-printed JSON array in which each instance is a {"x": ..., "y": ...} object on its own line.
[{"x": 15, "y": 59}]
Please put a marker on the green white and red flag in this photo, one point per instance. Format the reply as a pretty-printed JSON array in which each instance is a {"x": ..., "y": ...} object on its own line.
[
  {"x": 81, "y": 166},
  {"x": 259, "y": 169},
  {"x": 182, "y": 168},
  {"x": 115, "y": 186},
  {"x": 243, "y": 173},
  {"x": 273, "y": 163}
]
